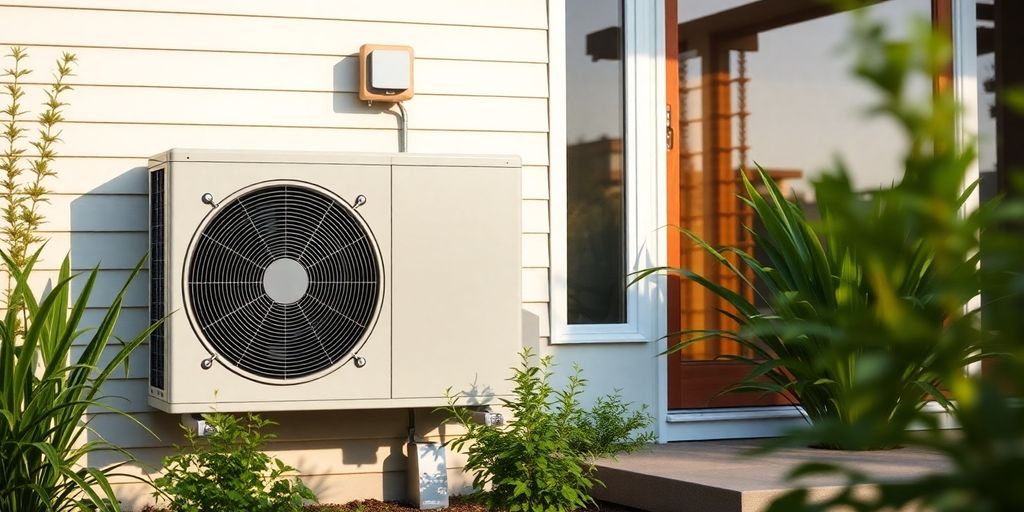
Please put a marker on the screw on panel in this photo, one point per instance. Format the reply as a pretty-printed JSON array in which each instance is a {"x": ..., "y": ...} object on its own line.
[
  {"x": 208, "y": 199},
  {"x": 207, "y": 363},
  {"x": 359, "y": 361},
  {"x": 360, "y": 200}
]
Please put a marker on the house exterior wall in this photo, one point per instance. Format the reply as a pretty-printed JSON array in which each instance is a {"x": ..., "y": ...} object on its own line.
[{"x": 274, "y": 74}]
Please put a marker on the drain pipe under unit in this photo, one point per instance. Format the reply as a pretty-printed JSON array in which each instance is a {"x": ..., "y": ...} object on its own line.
[{"x": 427, "y": 471}]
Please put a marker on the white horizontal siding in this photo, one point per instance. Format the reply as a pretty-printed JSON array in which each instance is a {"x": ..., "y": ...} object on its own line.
[
  {"x": 308, "y": 36},
  {"x": 130, "y": 322},
  {"x": 307, "y": 426},
  {"x": 95, "y": 213},
  {"x": 137, "y": 368},
  {"x": 540, "y": 313},
  {"x": 318, "y": 457},
  {"x": 535, "y": 285},
  {"x": 273, "y": 74},
  {"x": 222, "y": 107},
  {"x": 108, "y": 284},
  {"x": 128, "y": 67},
  {"x": 535, "y": 216},
  {"x": 535, "y": 182},
  {"x": 95, "y": 249},
  {"x": 141, "y": 141},
  {"x": 495, "y": 13},
  {"x": 535, "y": 250}
]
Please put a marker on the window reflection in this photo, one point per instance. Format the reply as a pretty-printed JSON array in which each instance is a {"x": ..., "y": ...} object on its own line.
[
  {"x": 986, "y": 70},
  {"x": 1000, "y": 72},
  {"x": 594, "y": 160},
  {"x": 765, "y": 82}
]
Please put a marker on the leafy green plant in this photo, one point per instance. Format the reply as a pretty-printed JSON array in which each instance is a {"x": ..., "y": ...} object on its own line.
[
  {"x": 613, "y": 426},
  {"x": 540, "y": 460},
  {"x": 229, "y": 471},
  {"x": 45, "y": 393}
]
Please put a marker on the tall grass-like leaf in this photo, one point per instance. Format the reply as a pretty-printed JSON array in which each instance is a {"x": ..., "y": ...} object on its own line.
[{"x": 45, "y": 394}]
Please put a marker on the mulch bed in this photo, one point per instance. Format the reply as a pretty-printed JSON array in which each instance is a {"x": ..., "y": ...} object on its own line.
[{"x": 457, "y": 505}]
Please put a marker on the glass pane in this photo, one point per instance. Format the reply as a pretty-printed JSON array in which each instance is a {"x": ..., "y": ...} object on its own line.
[
  {"x": 694, "y": 9},
  {"x": 823, "y": 116},
  {"x": 781, "y": 94},
  {"x": 1000, "y": 74},
  {"x": 594, "y": 154},
  {"x": 986, "y": 97}
]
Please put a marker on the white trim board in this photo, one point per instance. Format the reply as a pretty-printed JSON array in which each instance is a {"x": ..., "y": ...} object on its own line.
[
  {"x": 753, "y": 422},
  {"x": 644, "y": 165}
]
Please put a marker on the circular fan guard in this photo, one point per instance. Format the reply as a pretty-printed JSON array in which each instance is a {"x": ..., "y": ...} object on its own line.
[{"x": 284, "y": 281}]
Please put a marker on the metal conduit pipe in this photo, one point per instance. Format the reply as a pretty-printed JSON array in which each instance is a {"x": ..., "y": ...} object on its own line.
[{"x": 404, "y": 129}]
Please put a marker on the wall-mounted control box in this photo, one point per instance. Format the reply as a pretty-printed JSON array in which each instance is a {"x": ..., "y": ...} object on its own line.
[{"x": 385, "y": 73}]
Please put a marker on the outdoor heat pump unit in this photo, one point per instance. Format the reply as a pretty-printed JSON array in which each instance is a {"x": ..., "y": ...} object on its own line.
[{"x": 301, "y": 280}]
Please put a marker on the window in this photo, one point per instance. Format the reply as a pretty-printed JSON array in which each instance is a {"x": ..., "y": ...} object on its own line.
[
  {"x": 995, "y": 69},
  {"x": 595, "y": 204},
  {"x": 606, "y": 156},
  {"x": 763, "y": 82}
]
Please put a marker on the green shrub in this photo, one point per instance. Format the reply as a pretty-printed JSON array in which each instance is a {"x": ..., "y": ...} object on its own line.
[
  {"x": 229, "y": 471},
  {"x": 540, "y": 460},
  {"x": 45, "y": 394},
  {"x": 613, "y": 427}
]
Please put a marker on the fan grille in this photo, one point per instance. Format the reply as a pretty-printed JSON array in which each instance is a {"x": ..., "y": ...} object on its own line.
[{"x": 284, "y": 282}]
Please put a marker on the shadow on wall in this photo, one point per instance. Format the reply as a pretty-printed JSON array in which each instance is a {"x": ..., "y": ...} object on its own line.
[
  {"x": 531, "y": 331},
  {"x": 367, "y": 459}
]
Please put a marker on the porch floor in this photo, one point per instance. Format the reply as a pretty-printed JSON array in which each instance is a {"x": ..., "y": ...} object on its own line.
[{"x": 715, "y": 476}]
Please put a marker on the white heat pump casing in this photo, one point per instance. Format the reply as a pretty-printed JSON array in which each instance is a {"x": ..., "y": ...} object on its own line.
[{"x": 448, "y": 234}]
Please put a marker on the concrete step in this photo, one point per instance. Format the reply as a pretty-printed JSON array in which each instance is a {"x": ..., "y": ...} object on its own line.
[{"x": 719, "y": 476}]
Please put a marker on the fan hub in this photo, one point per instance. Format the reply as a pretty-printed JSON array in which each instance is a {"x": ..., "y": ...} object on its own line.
[{"x": 285, "y": 280}]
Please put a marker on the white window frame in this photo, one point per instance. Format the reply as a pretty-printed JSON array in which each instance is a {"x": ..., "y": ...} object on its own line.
[
  {"x": 965, "y": 90},
  {"x": 643, "y": 170}
]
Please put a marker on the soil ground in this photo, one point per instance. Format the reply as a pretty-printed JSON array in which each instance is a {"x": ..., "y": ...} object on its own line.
[{"x": 457, "y": 505}]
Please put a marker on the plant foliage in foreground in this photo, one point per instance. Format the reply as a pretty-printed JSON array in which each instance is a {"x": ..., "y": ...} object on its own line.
[
  {"x": 812, "y": 283},
  {"x": 986, "y": 455},
  {"x": 228, "y": 470},
  {"x": 540, "y": 460},
  {"x": 45, "y": 393}
]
